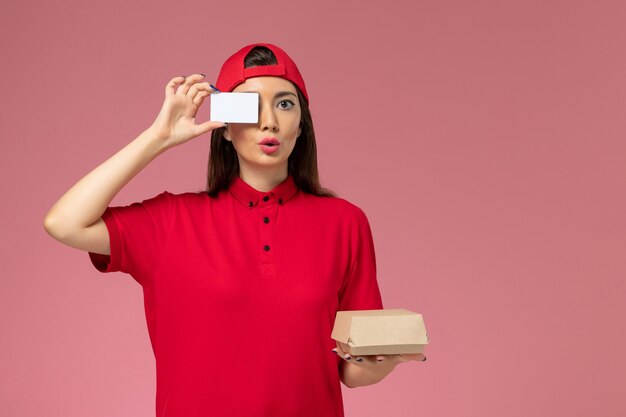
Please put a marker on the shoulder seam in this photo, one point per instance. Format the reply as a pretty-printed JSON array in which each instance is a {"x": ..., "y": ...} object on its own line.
[{"x": 167, "y": 236}]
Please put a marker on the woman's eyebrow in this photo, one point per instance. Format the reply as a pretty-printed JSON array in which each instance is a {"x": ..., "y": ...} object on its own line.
[{"x": 284, "y": 93}]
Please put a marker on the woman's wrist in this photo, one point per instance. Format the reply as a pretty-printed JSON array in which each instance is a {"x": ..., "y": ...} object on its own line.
[{"x": 155, "y": 142}]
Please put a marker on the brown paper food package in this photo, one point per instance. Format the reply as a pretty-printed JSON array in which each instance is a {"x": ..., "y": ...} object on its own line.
[{"x": 380, "y": 332}]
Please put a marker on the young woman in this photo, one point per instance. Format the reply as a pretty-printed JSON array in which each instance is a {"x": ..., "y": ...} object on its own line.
[{"x": 242, "y": 281}]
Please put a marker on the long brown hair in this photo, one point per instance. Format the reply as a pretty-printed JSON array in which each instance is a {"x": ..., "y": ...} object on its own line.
[{"x": 302, "y": 163}]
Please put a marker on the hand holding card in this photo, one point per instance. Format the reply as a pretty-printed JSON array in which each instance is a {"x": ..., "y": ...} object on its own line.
[
  {"x": 235, "y": 107},
  {"x": 175, "y": 123}
]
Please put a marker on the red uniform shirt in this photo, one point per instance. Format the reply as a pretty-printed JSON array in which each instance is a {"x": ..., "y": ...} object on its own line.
[{"x": 240, "y": 295}]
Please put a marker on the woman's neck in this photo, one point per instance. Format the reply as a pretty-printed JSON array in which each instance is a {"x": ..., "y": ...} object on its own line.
[{"x": 263, "y": 179}]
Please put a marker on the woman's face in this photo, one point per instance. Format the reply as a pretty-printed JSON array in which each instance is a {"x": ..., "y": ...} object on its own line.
[{"x": 279, "y": 117}]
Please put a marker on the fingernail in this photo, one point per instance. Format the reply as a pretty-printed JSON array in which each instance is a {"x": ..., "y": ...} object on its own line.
[
  {"x": 424, "y": 360},
  {"x": 202, "y": 74},
  {"x": 334, "y": 350},
  {"x": 359, "y": 359},
  {"x": 214, "y": 87},
  {"x": 379, "y": 359},
  {"x": 347, "y": 357}
]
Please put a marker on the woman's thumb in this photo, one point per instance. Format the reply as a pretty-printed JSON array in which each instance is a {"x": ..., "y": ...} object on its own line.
[{"x": 207, "y": 126}]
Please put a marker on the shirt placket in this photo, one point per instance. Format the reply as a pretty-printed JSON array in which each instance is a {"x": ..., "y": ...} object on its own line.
[{"x": 268, "y": 211}]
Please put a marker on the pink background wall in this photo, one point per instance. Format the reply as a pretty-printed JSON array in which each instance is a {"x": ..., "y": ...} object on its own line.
[{"x": 484, "y": 140}]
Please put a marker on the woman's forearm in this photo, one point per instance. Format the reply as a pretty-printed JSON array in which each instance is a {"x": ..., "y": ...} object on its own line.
[{"x": 85, "y": 202}]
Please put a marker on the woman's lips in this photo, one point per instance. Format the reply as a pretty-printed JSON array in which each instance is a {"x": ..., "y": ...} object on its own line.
[{"x": 269, "y": 149}]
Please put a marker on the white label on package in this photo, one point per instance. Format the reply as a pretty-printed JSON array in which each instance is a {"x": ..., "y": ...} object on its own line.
[{"x": 235, "y": 107}]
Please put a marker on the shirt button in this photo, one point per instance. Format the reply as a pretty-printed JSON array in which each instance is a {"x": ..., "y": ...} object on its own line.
[
  {"x": 250, "y": 203},
  {"x": 266, "y": 198},
  {"x": 266, "y": 220},
  {"x": 280, "y": 201},
  {"x": 267, "y": 247}
]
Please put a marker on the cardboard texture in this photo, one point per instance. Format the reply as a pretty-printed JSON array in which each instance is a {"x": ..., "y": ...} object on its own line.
[{"x": 380, "y": 332}]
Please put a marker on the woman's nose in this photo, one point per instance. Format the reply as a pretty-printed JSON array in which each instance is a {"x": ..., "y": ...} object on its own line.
[{"x": 268, "y": 119}]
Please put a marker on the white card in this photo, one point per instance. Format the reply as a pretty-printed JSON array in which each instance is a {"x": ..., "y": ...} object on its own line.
[{"x": 235, "y": 107}]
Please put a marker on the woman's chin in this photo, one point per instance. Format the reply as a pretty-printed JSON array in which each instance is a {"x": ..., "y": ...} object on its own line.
[{"x": 266, "y": 161}]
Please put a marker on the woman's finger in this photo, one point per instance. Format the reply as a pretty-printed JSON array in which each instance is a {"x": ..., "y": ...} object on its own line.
[
  {"x": 197, "y": 88},
  {"x": 342, "y": 354},
  {"x": 401, "y": 357},
  {"x": 380, "y": 358},
  {"x": 199, "y": 98},
  {"x": 171, "y": 86},
  {"x": 189, "y": 81},
  {"x": 412, "y": 357},
  {"x": 208, "y": 126}
]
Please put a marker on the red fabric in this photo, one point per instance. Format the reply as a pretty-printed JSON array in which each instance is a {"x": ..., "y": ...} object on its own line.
[
  {"x": 238, "y": 330},
  {"x": 234, "y": 73}
]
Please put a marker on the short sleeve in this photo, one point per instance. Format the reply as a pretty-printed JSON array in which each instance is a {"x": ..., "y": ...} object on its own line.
[
  {"x": 137, "y": 234},
  {"x": 360, "y": 290}
]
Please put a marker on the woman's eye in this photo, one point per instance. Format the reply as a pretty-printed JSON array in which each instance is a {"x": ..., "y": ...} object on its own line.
[{"x": 287, "y": 101}]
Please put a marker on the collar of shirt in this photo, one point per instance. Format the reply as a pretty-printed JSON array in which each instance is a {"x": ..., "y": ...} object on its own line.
[{"x": 250, "y": 197}]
